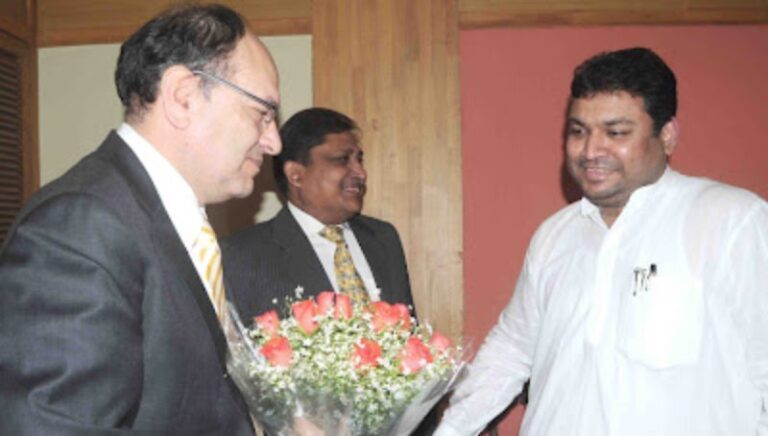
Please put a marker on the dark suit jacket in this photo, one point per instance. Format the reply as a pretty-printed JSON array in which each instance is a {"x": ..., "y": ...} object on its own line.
[
  {"x": 104, "y": 323},
  {"x": 269, "y": 260}
]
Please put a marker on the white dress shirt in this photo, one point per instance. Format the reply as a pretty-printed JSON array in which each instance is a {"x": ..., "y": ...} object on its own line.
[
  {"x": 656, "y": 326},
  {"x": 178, "y": 198},
  {"x": 325, "y": 250}
]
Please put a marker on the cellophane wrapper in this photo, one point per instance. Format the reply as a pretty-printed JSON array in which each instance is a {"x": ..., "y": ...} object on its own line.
[{"x": 333, "y": 381}]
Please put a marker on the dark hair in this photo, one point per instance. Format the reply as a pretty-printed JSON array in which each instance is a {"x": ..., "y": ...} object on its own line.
[
  {"x": 304, "y": 130},
  {"x": 197, "y": 36},
  {"x": 638, "y": 71}
]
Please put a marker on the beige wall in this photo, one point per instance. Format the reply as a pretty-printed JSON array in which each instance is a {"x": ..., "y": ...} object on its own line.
[{"x": 79, "y": 104}]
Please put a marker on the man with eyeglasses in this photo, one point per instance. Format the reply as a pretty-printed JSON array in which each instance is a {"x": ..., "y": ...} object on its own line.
[
  {"x": 110, "y": 280},
  {"x": 643, "y": 308}
]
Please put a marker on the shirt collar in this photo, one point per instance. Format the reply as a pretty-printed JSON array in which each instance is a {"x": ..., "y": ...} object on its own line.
[
  {"x": 636, "y": 199},
  {"x": 308, "y": 223},
  {"x": 175, "y": 193}
]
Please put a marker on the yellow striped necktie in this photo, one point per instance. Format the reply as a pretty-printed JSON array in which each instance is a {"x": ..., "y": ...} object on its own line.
[
  {"x": 206, "y": 248},
  {"x": 347, "y": 277}
]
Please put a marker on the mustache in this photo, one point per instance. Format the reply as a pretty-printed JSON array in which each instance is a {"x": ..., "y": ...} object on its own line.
[
  {"x": 354, "y": 182},
  {"x": 600, "y": 163}
]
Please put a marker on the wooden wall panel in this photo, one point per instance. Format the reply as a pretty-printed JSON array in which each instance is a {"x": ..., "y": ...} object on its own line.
[
  {"x": 500, "y": 13},
  {"x": 66, "y": 22},
  {"x": 26, "y": 56},
  {"x": 29, "y": 122},
  {"x": 17, "y": 18},
  {"x": 392, "y": 65},
  {"x": 17, "y": 38}
]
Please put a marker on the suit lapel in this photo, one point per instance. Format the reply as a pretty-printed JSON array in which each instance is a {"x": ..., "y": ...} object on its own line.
[
  {"x": 373, "y": 250},
  {"x": 303, "y": 266},
  {"x": 171, "y": 248}
]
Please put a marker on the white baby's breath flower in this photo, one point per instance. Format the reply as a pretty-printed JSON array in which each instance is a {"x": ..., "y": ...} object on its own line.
[
  {"x": 323, "y": 365},
  {"x": 298, "y": 292}
]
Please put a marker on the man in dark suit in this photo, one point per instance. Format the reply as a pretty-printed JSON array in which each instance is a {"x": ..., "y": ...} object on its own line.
[
  {"x": 107, "y": 322},
  {"x": 321, "y": 173}
]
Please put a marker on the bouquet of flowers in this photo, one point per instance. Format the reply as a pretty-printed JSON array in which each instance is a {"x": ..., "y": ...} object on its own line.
[{"x": 344, "y": 368}]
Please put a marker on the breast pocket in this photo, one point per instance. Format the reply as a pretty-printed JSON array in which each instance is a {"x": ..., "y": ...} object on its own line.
[{"x": 661, "y": 326}]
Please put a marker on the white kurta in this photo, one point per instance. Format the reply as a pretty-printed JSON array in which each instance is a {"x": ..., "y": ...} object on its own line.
[{"x": 612, "y": 348}]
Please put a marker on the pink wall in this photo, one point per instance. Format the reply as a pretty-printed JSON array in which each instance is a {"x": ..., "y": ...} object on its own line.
[{"x": 514, "y": 85}]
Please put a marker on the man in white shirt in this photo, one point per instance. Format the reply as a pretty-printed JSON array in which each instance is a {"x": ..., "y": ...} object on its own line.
[
  {"x": 321, "y": 173},
  {"x": 643, "y": 308},
  {"x": 109, "y": 320}
]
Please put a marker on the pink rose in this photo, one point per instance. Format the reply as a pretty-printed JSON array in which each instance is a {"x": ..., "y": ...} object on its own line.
[
  {"x": 387, "y": 316},
  {"x": 269, "y": 322},
  {"x": 343, "y": 307},
  {"x": 305, "y": 312},
  {"x": 325, "y": 302},
  {"x": 440, "y": 342},
  {"x": 278, "y": 351},
  {"x": 404, "y": 314},
  {"x": 366, "y": 354},
  {"x": 414, "y": 356}
]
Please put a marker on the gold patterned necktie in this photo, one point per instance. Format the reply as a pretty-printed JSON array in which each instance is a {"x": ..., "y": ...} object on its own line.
[
  {"x": 347, "y": 277},
  {"x": 206, "y": 248}
]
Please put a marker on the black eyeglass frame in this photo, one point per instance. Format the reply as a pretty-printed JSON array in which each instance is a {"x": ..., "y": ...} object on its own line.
[{"x": 273, "y": 108}]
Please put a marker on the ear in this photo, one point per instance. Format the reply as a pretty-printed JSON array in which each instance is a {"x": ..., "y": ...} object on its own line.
[
  {"x": 176, "y": 89},
  {"x": 294, "y": 172},
  {"x": 669, "y": 135}
]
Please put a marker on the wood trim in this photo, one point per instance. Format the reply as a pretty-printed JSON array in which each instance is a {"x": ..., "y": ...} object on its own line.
[
  {"x": 68, "y": 22},
  {"x": 21, "y": 27},
  {"x": 392, "y": 65},
  {"x": 17, "y": 37},
  {"x": 71, "y": 22},
  {"x": 30, "y": 123},
  {"x": 29, "y": 114},
  {"x": 294, "y": 26},
  {"x": 102, "y": 35},
  {"x": 16, "y": 29},
  {"x": 494, "y": 13}
]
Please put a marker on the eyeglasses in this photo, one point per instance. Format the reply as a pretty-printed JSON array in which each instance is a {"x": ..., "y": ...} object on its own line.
[{"x": 267, "y": 116}]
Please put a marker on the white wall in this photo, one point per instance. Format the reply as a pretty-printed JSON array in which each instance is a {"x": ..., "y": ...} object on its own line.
[{"x": 79, "y": 103}]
